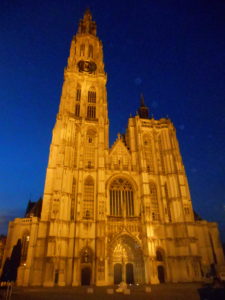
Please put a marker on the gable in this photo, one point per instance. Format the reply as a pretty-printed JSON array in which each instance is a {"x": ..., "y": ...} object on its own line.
[{"x": 119, "y": 154}]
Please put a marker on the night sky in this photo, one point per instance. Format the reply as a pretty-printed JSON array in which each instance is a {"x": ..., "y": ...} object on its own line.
[{"x": 171, "y": 51}]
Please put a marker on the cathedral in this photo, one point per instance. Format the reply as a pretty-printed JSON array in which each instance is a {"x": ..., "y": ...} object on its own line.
[{"x": 110, "y": 214}]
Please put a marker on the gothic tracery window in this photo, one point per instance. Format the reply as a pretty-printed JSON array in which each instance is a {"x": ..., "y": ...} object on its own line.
[
  {"x": 121, "y": 198},
  {"x": 154, "y": 202},
  {"x": 88, "y": 200}
]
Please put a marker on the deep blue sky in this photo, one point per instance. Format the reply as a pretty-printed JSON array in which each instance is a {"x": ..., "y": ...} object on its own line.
[{"x": 172, "y": 51}]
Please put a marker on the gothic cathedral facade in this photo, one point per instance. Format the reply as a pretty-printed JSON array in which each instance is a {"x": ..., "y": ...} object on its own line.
[{"x": 111, "y": 213}]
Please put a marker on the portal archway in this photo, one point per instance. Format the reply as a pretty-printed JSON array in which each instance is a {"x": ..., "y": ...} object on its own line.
[{"x": 126, "y": 260}]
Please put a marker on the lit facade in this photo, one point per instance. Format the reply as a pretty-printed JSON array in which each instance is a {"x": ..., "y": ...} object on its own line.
[{"x": 111, "y": 214}]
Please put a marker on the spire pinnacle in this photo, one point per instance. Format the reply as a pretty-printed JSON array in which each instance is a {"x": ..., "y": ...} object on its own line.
[
  {"x": 86, "y": 25},
  {"x": 143, "y": 109}
]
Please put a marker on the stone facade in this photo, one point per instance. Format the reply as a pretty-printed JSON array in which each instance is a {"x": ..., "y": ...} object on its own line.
[{"x": 111, "y": 214}]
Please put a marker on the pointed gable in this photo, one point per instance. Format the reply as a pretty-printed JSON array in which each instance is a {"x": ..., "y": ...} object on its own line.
[{"x": 119, "y": 155}]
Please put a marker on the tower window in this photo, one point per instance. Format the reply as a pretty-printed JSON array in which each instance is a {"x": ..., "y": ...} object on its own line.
[
  {"x": 77, "y": 110},
  {"x": 78, "y": 96},
  {"x": 90, "y": 51},
  {"x": 92, "y": 96},
  {"x": 91, "y": 112},
  {"x": 82, "y": 50}
]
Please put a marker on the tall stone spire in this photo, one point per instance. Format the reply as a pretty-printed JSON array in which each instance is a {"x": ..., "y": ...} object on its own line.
[
  {"x": 86, "y": 25},
  {"x": 143, "y": 109}
]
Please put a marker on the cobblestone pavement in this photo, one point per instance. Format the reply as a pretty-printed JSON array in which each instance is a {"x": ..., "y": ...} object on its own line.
[{"x": 158, "y": 292}]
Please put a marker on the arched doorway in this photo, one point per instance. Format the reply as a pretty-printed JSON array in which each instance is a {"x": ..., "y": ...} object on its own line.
[
  {"x": 86, "y": 266},
  {"x": 86, "y": 276},
  {"x": 126, "y": 261},
  {"x": 129, "y": 273},
  {"x": 117, "y": 273},
  {"x": 161, "y": 274}
]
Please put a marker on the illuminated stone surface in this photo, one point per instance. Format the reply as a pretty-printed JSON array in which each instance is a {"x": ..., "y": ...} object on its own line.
[{"x": 111, "y": 214}]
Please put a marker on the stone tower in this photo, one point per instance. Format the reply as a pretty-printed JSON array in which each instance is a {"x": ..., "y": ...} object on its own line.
[{"x": 111, "y": 214}]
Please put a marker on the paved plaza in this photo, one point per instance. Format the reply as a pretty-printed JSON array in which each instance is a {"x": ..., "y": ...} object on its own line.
[{"x": 159, "y": 292}]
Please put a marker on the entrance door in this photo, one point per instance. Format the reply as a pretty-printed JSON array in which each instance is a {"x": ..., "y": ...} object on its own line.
[
  {"x": 129, "y": 273},
  {"x": 161, "y": 274},
  {"x": 117, "y": 273},
  {"x": 86, "y": 276}
]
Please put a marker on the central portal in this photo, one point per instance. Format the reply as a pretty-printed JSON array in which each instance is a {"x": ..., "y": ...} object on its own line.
[
  {"x": 119, "y": 276},
  {"x": 127, "y": 261}
]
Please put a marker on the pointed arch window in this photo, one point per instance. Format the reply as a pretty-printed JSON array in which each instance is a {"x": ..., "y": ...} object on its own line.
[
  {"x": 121, "y": 198},
  {"x": 154, "y": 202},
  {"x": 90, "y": 51},
  {"x": 82, "y": 50},
  {"x": 88, "y": 200}
]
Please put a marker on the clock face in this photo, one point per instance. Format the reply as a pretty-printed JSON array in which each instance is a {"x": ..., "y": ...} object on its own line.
[{"x": 86, "y": 66}]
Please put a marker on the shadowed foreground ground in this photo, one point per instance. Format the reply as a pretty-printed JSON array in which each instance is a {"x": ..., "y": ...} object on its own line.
[{"x": 159, "y": 292}]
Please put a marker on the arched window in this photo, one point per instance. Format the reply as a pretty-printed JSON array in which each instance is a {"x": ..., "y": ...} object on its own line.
[
  {"x": 148, "y": 153},
  {"x": 25, "y": 245},
  {"x": 121, "y": 198},
  {"x": 90, "y": 51},
  {"x": 82, "y": 50},
  {"x": 88, "y": 201},
  {"x": 154, "y": 202}
]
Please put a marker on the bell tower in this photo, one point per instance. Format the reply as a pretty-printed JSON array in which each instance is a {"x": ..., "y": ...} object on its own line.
[
  {"x": 73, "y": 196},
  {"x": 80, "y": 135}
]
